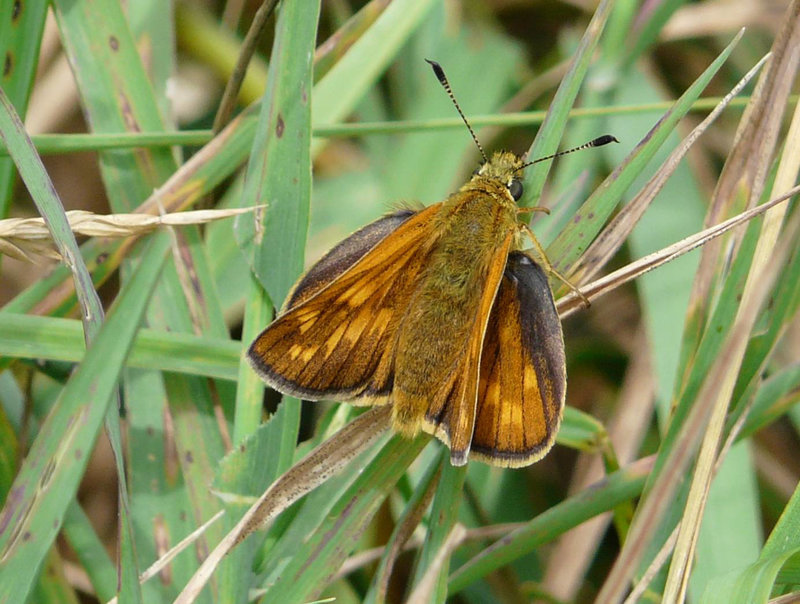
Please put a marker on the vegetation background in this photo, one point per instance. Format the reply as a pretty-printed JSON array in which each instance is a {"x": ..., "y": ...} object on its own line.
[{"x": 677, "y": 466}]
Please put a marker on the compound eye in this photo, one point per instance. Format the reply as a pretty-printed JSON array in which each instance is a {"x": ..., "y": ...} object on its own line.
[{"x": 515, "y": 188}]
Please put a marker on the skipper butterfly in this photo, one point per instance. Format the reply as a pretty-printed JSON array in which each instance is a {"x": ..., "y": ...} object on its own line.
[{"x": 438, "y": 313}]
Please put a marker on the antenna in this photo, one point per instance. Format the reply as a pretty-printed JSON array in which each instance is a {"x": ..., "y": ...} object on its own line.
[
  {"x": 598, "y": 142},
  {"x": 437, "y": 69}
]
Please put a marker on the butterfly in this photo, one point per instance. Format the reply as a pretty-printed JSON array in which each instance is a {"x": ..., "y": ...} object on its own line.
[{"x": 439, "y": 313}]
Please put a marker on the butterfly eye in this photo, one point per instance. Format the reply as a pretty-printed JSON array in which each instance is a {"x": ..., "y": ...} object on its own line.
[{"x": 515, "y": 188}]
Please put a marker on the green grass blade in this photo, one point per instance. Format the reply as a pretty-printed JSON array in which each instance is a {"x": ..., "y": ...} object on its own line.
[
  {"x": 753, "y": 585},
  {"x": 552, "y": 129},
  {"x": 55, "y": 339},
  {"x": 116, "y": 93},
  {"x": 90, "y": 551},
  {"x": 279, "y": 171},
  {"x": 617, "y": 488},
  {"x": 338, "y": 92},
  {"x": 594, "y": 213},
  {"x": 20, "y": 37},
  {"x": 444, "y": 515},
  {"x": 52, "y": 470}
]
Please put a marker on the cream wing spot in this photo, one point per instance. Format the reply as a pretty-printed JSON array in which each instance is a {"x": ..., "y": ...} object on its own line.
[
  {"x": 382, "y": 319},
  {"x": 333, "y": 341},
  {"x": 308, "y": 354},
  {"x": 358, "y": 297},
  {"x": 306, "y": 325}
]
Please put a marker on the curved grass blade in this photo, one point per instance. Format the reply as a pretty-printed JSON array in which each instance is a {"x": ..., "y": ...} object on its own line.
[{"x": 319, "y": 465}]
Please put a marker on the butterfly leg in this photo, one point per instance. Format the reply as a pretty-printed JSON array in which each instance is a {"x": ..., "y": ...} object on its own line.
[
  {"x": 530, "y": 210},
  {"x": 545, "y": 262}
]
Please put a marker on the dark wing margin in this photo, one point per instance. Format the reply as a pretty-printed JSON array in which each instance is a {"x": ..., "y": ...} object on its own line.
[
  {"x": 344, "y": 255},
  {"x": 523, "y": 370},
  {"x": 336, "y": 337}
]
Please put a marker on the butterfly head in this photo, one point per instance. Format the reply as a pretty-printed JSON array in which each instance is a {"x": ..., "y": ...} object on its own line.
[{"x": 504, "y": 168}]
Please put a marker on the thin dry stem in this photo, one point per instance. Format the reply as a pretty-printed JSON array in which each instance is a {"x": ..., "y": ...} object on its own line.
[
  {"x": 764, "y": 262},
  {"x": 570, "y": 303},
  {"x": 30, "y": 236},
  {"x": 426, "y": 589},
  {"x": 616, "y": 232}
]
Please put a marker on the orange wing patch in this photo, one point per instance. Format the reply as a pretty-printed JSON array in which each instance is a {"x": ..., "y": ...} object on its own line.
[
  {"x": 523, "y": 373},
  {"x": 348, "y": 315}
]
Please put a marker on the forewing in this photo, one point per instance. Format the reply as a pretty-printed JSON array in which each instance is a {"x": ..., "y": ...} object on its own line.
[
  {"x": 335, "y": 338},
  {"x": 451, "y": 416},
  {"x": 344, "y": 255},
  {"x": 523, "y": 373}
]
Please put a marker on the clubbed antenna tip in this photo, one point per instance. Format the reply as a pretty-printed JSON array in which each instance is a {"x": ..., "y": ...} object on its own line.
[
  {"x": 439, "y": 72},
  {"x": 602, "y": 140},
  {"x": 597, "y": 142}
]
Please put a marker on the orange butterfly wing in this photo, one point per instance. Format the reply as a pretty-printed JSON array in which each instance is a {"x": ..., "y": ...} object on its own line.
[
  {"x": 335, "y": 337},
  {"x": 523, "y": 370}
]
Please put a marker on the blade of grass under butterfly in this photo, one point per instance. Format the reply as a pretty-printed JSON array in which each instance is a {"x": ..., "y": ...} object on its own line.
[
  {"x": 321, "y": 466},
  {"x": 443, "y": 517},
  {"x": 255, "y": 463},
  {"x": 409, "y": 520},
  {"x": 319, "y": 556}
]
